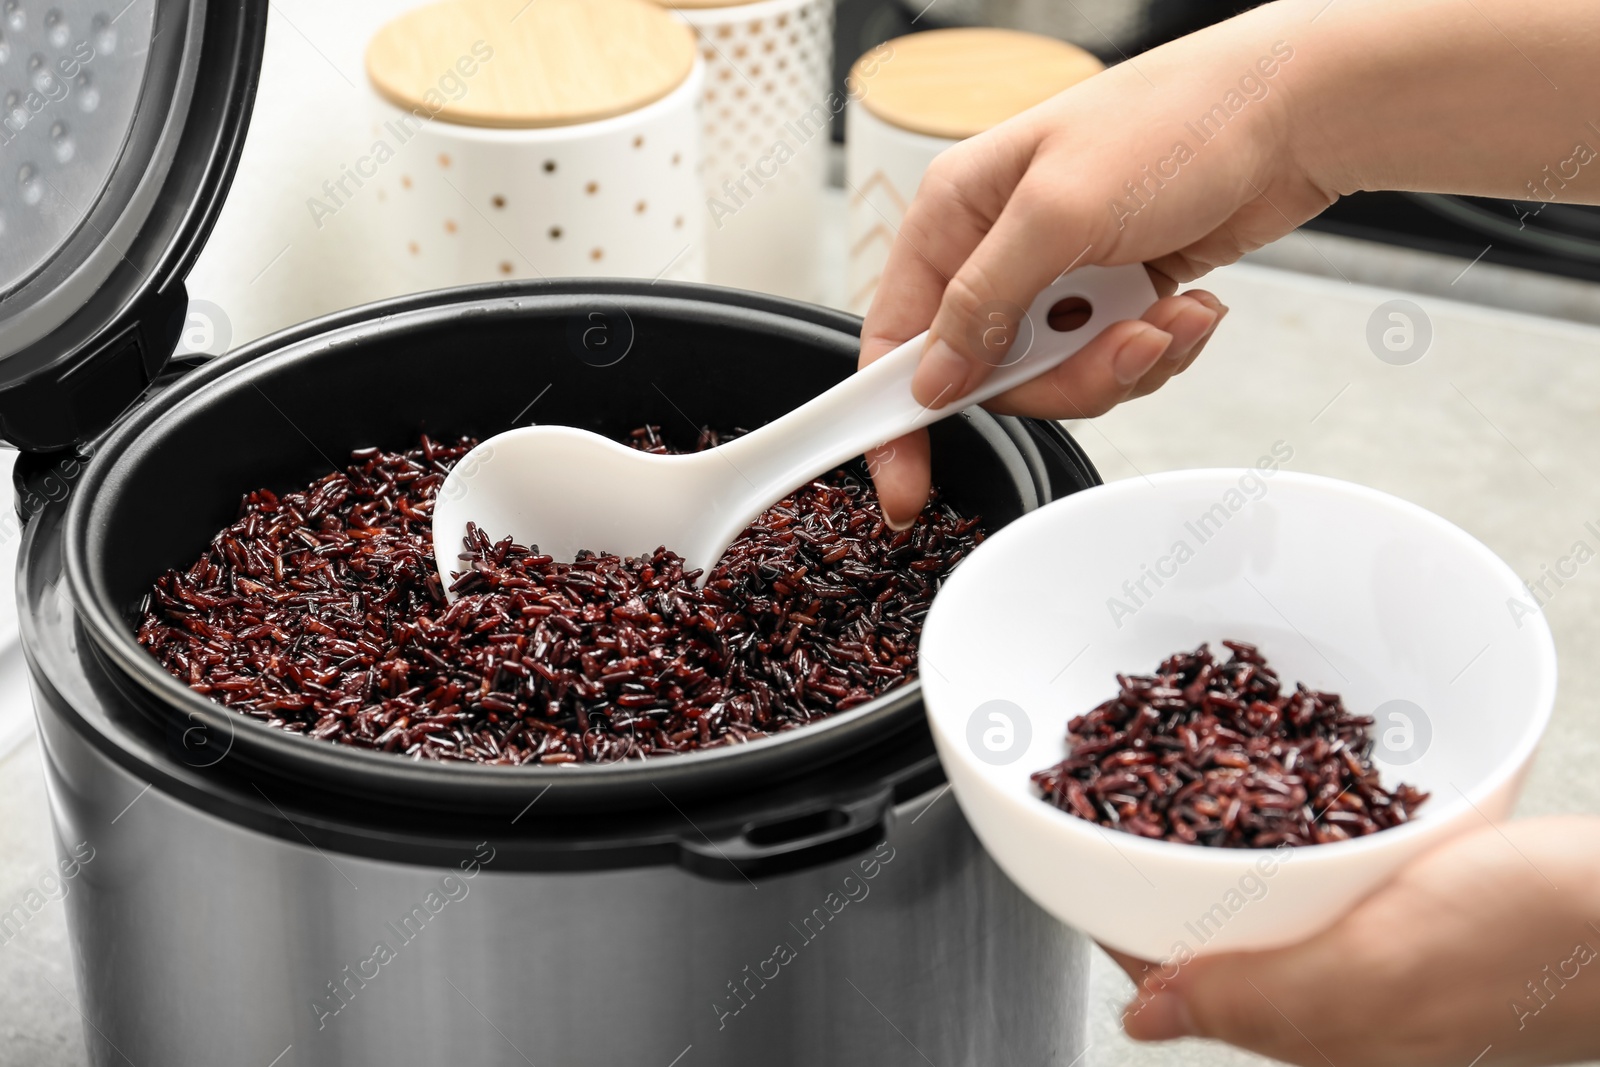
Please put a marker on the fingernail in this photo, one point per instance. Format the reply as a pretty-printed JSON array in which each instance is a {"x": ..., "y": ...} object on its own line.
[
  {"x": 1212, "y": 331},
  {"x": 1188, "y": 327},
  {"x": 941, "y": 376},
  {"x": 1163, "y": 1017},
  {"x": 1139, "y": 353},
  {"x": 899, "y": 527}
]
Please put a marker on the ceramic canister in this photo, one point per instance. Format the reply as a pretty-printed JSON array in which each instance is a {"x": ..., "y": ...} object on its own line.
[
  {"x": 939, "y": 88},
  {"x": 516, "y": 139},
  {"x": 767, "y": 107}
]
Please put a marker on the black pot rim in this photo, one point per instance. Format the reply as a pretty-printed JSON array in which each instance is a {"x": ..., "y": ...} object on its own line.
[{"x": 377, "y": 773}]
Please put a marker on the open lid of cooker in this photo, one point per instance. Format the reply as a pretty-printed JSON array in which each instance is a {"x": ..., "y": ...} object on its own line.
[{"x": 121, "y": 122}]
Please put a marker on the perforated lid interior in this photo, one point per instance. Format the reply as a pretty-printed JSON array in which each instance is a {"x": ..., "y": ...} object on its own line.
[
  {"x": 120, "y": 125},
  {"x": 69, "y": 82}
]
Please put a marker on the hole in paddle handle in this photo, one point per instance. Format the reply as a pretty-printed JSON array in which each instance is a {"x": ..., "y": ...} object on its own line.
[{"x": 1069, "y": 313}]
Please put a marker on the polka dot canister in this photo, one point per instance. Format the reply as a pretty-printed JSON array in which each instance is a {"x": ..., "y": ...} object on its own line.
[
  {"x": 517, "y": 140},
  {"x": 767, "y": 107}
]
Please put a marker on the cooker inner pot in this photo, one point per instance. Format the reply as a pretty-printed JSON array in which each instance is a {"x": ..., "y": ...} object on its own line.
[{"x": 607, "y": 357}]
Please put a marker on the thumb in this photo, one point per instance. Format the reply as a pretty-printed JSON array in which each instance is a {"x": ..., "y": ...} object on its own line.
[{"x": 1272, "y": 1002}]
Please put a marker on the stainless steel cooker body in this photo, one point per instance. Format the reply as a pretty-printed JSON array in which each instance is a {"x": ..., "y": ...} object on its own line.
[
  {"x": 199, "y": 942},
  {"x": 241, "y": 895}
]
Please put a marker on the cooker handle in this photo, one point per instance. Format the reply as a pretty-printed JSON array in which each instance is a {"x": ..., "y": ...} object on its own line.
[{"x": 795, "y": 840}]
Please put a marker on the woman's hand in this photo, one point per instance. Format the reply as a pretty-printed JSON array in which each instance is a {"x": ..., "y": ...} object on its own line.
[
  {"x": 1190, "y": 155},
  {"x": 1104, "y": 173},
  {"x": 1483, "y": 952}
]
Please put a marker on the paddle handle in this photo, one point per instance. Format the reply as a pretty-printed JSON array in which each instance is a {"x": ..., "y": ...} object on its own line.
[{"x": 875, "y": 404}]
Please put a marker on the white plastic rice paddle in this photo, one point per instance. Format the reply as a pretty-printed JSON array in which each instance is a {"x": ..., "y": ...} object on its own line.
[{"x": 566, "y": 490}]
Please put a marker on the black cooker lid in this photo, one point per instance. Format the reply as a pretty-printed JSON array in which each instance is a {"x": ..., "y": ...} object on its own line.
[{"x": 120, "y": 127}]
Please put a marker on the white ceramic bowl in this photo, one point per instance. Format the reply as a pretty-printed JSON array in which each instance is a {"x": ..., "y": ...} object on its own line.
[{"x": 1344, "y": 588}]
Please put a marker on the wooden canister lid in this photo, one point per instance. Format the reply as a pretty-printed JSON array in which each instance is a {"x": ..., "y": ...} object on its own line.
[
  {"x": 959, "y": 82},
  {"x": 544, "y": 63}
]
